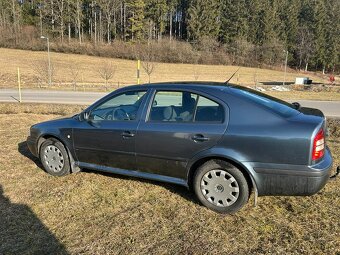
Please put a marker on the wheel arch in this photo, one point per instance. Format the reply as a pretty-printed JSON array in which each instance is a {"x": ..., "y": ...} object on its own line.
[
  {"x": 198, "y": 162},
  {"x": 44, "y": 137}
]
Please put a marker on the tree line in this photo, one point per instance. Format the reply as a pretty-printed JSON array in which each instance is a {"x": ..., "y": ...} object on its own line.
[{"x": 246, "y": 32}]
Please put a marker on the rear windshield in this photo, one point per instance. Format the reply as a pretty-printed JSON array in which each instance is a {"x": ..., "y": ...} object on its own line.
[{"x": 280, "y": 107}]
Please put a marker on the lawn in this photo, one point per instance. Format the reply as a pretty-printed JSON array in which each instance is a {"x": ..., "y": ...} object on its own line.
[{"x": 95, "y": 213}]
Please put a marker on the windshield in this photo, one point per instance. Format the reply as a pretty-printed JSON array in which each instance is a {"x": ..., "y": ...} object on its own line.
[{"x": 279, "y": 106}]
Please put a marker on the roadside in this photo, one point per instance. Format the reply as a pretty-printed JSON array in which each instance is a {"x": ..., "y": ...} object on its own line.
[{"x": 329, "y": 108}]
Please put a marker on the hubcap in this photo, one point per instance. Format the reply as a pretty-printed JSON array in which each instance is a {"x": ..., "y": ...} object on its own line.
[
  {"x": 220, "y": 188},
  {"x": 53, "y": 158}
]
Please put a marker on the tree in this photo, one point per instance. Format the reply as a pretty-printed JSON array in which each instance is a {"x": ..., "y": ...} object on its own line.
[
  {"x": 234, "y": 24},
  {"x": 304, "y": 46},
  {"x": 60, "y": 16},
  {"x": 42, "y": 72},
  {"x": 136, "y": 19},
  {"x": 148, "y": 61},
  {"x": 155, "y": 10},
  {"x": 320, "y": 33},
  {"x": 332, "y": 34},
  {"x": 203, "y": 19},
  {"x": 108, "y": 7},
  {"x": 107, "y": 71},
  {"x": 172, "y": 6},
  {"x": 74, "y": 71}
]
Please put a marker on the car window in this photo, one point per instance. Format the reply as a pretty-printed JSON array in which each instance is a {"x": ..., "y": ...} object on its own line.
[
  {"x": 120, "y": 107},
  {"x": 276, "y": 105},
  {"x": 208, "y": 111},
  {"x": 184, "y": 106},
  {"x": 175, "y": 106}
]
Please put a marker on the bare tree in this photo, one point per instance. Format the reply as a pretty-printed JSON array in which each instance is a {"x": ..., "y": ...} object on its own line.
[
  {"x": 304, "y": 46},
  {"x": 196, "y": 72},
  {"x": 60, "y": 16},
  {"x": 74, "y": 72},
  {"x": 41, "y": 73},
  {"x": 107, "y": 71},
  {"x": 148, "y": 63},
  {"x": 79, "y": 17},
  {"x": 109, "y": 8}
]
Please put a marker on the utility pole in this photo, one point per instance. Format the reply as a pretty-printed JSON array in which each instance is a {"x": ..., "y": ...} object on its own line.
[{"x": 49, "y": 60}]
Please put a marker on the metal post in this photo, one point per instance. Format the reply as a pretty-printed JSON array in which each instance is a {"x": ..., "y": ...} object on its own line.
[
  {"x": 19, "y": 85},
  {"x": 138, "y": 71},
  {"x": 49, "y": 60},
  {"x": 284, "y": 78},
  {"x": 49, "y": 63}
]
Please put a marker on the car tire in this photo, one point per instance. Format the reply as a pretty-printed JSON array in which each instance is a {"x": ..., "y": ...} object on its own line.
[
  {"x": 54, "y": 157},
  {"x": 221, "y": 186}
]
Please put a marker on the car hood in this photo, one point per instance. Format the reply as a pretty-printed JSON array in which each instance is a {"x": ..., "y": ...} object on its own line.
[
  {"x": 69, "y": 116},
  {"x": 60, "y": 122}
]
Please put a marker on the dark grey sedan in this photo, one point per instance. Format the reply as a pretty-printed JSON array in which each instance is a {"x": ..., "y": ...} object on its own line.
[{"x": 223, "y": 141}]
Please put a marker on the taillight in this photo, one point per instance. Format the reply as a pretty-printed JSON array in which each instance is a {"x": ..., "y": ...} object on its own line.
[{"x": 318, "y": 145}]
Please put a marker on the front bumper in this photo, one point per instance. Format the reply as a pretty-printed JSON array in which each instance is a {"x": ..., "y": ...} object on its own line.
[
  {"x": 288, "y": 180},
  {"x": 32, "y": 145}
]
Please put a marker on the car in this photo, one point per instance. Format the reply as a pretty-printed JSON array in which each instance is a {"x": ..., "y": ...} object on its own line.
[{"x": 222, "y": 141}]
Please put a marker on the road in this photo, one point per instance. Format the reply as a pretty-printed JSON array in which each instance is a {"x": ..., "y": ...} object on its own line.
[{"x": 329, "y": 108}]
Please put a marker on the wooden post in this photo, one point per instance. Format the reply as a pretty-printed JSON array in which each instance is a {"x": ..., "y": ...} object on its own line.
[
  {"x": 138, "y": 71},
  {"x": 19, "y": 85}
]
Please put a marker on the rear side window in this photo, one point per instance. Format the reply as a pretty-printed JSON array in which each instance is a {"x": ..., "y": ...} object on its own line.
[
  {"x": 208, "y": 111},
  {"x": 278, "y": 106},
  {"x": 183, "y": 106}
]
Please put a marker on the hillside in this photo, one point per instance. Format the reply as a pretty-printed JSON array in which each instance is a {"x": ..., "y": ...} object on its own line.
[{"x": 65, "y": 67}]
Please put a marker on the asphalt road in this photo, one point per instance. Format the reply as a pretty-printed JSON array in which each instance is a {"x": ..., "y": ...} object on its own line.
[{"x": 329, "y": 108}]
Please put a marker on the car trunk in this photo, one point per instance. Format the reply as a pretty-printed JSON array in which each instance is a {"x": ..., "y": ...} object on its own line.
[{"x": 320, "y": 131}]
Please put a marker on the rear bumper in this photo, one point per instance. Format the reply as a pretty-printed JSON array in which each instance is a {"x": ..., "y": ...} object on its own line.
[
  {"x": 291, "y": 180},
  {"x": 32, "y": 145}
]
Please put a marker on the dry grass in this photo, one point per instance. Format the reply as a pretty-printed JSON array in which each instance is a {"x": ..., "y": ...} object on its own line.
[
  {"x": 85, "y": 71},
  {"x": 96, "y": 213},
  {"x": 65, "y": 66}
]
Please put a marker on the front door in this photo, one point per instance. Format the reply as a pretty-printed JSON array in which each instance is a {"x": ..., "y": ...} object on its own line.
[
  {"x": 179, "y": 125},
  {"x": 107, "y": 138}
]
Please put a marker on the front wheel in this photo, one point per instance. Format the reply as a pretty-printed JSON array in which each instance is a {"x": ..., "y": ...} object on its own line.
[
  {"x": 54, "y": 157},
  {"x": 221, "y": 187}
]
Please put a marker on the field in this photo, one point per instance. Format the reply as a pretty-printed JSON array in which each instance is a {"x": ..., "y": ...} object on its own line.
[
  {"x": 95, "y": 213},
  {"x": 81, "y": 72}
]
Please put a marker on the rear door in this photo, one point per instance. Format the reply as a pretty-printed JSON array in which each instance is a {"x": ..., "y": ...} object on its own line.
[{"x": 178, "y": 125}]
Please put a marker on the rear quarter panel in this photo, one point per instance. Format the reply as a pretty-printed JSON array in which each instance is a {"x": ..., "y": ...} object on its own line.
[{"x": 260, "y": 135}]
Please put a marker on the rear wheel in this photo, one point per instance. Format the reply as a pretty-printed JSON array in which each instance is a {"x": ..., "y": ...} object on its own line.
[
  {"x": 54, "y": 157},
  {"x": 221, "y": 186}
]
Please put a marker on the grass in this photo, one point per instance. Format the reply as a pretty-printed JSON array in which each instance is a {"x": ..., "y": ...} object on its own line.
[
  {"x": 88, "y": 77},
  {"x": 95, "y": 213}
]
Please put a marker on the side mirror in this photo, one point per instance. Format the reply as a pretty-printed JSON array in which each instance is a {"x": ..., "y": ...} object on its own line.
[
  {"x": 154, "y": 103},
  {"x": 84, "y": 116}
]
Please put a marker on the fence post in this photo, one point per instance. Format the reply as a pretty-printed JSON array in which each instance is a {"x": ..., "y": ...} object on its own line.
[{"x": 19, "y": 85}]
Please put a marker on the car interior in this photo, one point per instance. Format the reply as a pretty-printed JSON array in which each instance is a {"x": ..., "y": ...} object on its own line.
[{"x": 187, "y": 110}]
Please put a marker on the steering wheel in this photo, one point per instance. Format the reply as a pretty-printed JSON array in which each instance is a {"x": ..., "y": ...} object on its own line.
[{"x": 117, "y": 114}]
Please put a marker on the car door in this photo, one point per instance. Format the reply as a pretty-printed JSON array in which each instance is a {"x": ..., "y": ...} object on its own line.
[
  {"x": 178, "y": 125},
  {"x": 107, "y": 137}
]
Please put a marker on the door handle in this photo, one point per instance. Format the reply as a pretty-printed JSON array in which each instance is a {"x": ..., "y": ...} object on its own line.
[
  {"x": 127, "y": 134},
  {"x": 200, "y": 138}
]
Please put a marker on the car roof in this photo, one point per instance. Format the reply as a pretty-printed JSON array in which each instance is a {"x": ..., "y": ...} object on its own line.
[{"x": 183, "y": 84}]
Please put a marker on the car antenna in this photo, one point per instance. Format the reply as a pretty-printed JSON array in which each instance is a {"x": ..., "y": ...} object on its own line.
[{"x": 227, "y": 82}]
